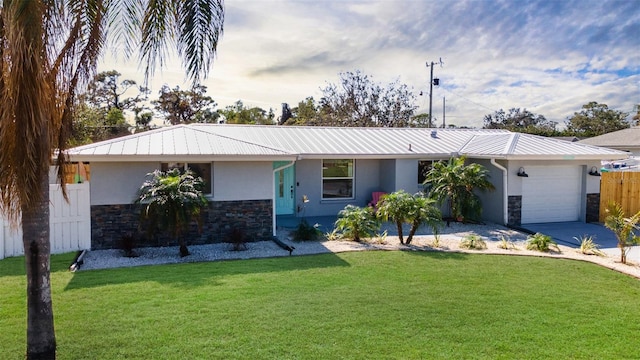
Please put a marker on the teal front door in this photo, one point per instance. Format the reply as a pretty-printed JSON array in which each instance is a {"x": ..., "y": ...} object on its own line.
[{"x": 285, "y": 191}]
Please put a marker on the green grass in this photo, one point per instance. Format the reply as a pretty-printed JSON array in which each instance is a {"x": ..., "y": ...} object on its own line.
[{"x": 383, "y": 305}]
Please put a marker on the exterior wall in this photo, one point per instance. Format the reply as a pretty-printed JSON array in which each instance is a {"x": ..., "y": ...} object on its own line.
[
  {"x": 309, "y": 183},
  {"x": 492, "y": 201},
  {"x": 242, "y": 180},
  {"x": 593, "y": 207},
  {"x": 406, "y": 173},
  {"x": 590, "y": 185},
  {"x": 387, "y": 175},
  {"x": 515, "y": 210},
  {"x": 110, "y": 222},
  {"x": 118, "y": 183}
]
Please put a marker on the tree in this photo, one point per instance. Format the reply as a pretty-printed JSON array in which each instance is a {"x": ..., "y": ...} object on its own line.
[
  {"x": 170, "y": 201},
  {"x": 48, "y": 49},
  {"x": 358, "y": 101},
  {"x": 422, "y": 211},
  {"x": 627, "y": 229},
  {"x": 106, "y": 91},
  {"x": 186, "y": 106},
  {"x": 636, "y": 117},
  {"x": 402, "y": 207},
  {"x": 520, "y": 121},
  {"x": 238, "y": 113},
  {"x": 455, "y": 182},
  {"x": 306, "y": 113},
  {"x": 596, "y": 119}
]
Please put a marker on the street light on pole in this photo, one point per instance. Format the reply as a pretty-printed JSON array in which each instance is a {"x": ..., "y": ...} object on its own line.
[{"x": 432, "y": 82}]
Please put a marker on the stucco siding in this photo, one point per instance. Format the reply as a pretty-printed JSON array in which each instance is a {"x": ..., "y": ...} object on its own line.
[
  {"x": 387, "y": 175},
  {"x": 242, "y": 180},
  {"x": 309, "y": 183},
  {"x": 118, "y": 183},
  {"x": 407, "y": 175},
  {"x": 492, "y": 201}
]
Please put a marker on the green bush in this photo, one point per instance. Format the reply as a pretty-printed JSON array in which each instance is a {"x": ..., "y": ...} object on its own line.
[
  {"x": 305, "y": 231},
  {"x": 541, "y": 242},
  {"x": 356, "y": 223},
  {"x": 473, "y": 242},
  {"x": 506, "y": 244}
]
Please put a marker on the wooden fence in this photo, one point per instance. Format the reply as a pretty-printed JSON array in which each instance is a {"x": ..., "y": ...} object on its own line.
[
  {"x": 622, "y": 187},
  {"x": 69, "y": 223}
]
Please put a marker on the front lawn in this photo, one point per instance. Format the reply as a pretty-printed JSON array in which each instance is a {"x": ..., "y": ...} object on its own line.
[{"x": 359, "y": 305}]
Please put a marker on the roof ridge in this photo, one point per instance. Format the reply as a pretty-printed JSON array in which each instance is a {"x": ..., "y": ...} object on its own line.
[{"x": 511, "y": 144}]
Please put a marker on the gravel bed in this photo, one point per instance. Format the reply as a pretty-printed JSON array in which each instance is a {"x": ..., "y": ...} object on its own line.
[
  {"x": 105, "y": 259},
  {"x": 449, "y": 241}
]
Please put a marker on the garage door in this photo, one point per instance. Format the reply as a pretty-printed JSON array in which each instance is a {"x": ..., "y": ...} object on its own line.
[{"x": 551, "y": 194}]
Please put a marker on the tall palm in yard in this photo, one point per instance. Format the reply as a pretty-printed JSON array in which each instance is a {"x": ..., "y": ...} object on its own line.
[
  {"x": 48, "y": 50},
  {"x": 170, "y": 201},
  {"x": 626, "y": 229},
  {"x": 455, "y": 182}
]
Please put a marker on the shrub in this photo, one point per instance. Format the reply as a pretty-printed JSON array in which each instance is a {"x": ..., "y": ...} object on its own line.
[
  {"x": 356, "y": 223},
  {"x": 587, "y": 246},
  {"x": 541, "y": 242},
  {"x": 333, "y": 235},
  {"x": 506, "y": 244},
  {"x": 305, "y": 231},
  {"x": 237, "y": 239},
  {"x": 473, "y": 242},
  {"x": 127, "y": 244},
  {"x": 380, "y": 238}
]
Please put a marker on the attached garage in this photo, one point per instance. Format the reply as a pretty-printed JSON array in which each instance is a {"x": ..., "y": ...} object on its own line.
[{"x": 551, "y": 194}]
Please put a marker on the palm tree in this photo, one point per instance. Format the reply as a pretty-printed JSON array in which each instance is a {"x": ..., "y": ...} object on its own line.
[
  {"x": 627, "y": 229},
  {"x": 423, "y": 212},
  {"x": 48, "y": 51},
  {"x": 455, "y": 182},
  {"x": 395, "y": 207},
  {"x": 170, "y": 201}
]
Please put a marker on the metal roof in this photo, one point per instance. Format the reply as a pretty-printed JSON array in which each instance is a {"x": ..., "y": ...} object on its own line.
[
  {"x": 175, "y": 141},
  {"x": 243, "y": 142}
]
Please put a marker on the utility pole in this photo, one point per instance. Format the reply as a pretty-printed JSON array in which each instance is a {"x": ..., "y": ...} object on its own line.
[
  {"x": 432, "y": 82},
  {"x": 444, "y": 125}
]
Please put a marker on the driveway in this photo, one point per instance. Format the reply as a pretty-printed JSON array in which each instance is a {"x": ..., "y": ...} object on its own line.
[{"x": 564, "y": 232}]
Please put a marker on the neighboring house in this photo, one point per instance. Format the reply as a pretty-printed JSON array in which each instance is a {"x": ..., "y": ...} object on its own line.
[
  {"x": 255, "y": 173},
  {"x": 625, "y": 140}
]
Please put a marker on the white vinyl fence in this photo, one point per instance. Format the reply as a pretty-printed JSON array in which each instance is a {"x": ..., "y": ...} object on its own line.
[{"x": 69, "y": 223}]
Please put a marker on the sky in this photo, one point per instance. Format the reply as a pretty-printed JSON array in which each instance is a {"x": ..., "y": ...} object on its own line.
[{"x": 550, "y": 57}]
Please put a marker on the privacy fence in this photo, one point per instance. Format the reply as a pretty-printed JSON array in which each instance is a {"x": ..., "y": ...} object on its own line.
[
  {"x": 622, "y": 187},
  {"x": 69, "y": 223}
]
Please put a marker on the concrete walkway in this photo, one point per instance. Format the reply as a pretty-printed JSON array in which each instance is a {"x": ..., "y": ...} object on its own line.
[{"x": 564, "y": 232}]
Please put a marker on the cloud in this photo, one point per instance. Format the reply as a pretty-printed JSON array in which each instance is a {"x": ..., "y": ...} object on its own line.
[{"x": 550, "y": 57}]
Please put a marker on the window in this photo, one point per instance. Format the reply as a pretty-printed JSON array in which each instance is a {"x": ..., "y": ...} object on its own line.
[
  {"x": 424, "y": 166},
  {"x": 337, "y": 179},
  {"x": 202, "y": 170}
]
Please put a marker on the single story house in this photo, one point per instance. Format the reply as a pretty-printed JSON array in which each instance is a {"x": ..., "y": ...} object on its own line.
[
  {"x": 256, "y": 173},
  {"x": 625, "y": 140}
]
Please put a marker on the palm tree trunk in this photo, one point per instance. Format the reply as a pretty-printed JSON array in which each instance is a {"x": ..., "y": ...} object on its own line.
[
  {"x": 414, "y": 228},
  {"x": 399, "y": 225},
  {"x": 41, "y": 339}
]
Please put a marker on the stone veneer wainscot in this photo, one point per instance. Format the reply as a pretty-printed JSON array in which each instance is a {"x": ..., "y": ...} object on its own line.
[{"x": 109, "y": 223}]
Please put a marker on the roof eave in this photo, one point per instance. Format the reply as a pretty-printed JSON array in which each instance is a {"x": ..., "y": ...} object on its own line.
[{"x": 179, "y": 158}]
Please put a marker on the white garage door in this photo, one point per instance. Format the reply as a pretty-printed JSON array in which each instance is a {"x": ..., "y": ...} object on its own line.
[{"x": 551, "y": 194}]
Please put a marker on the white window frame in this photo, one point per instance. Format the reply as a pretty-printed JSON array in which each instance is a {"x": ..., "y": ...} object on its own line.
[{"x": 352, "y": 178}]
